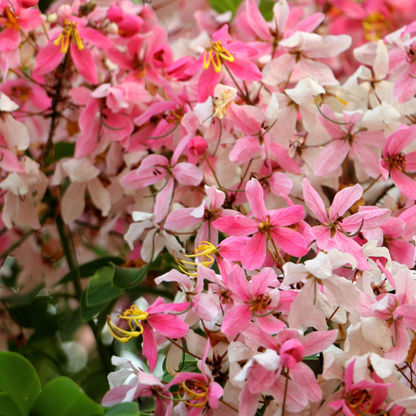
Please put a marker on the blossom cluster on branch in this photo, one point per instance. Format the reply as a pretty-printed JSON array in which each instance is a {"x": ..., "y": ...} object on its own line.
[{"x": 267, "y": 166}]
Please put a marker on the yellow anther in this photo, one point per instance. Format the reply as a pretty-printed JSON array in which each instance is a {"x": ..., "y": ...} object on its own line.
[
  {"x": 70, "y": 32},
  {"x": 11, "y": 20},
  {"x": 201, "y": 393},
  {"x": 133, "y": 315},
  {"x": 375, "y": 26},
  {"x": 215, "y": 53},
  {"x": 205, "y": 251}
]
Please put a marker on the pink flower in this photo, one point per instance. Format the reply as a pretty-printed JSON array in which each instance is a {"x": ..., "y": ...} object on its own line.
[
  {"x": 352, "y": 142},
  {"x": 189, "y": 217},
  {"x": 256, "y": 300},
  {"x": 156, "y": 168},
  {"x": 397, "y": 163},
  {"x": 72, "y": 37},
  {"x": 266, "y": 227},
  {"x": 156, "y": 319},
  {"x": 334, "y": 228},
  {"x": 223, "y": 51}
]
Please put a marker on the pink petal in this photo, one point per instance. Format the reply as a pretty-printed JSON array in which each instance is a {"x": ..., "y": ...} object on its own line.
[
  {"x": 405, "y": 86},
  {"x": 9, "y": 40},
  {"x": 85, "y": 64},
  {"x": 406, "y": 185},
  {"x": 261, "y": 281},
  {"x": 271, "y": 324},
  {"x": 403, "y": 252},
  {"x": 9, "y": 161},
  {"x": 236, "y": 320},
  {"x": 245, "y": 149},
  {"x": 163, "y": 200},
  {"x": 309, "y": 24},
  {"x": 280, "y": 184},
  {"x": 48, "y": 59},
  {"x": 348, "y": 245},
  {"x": 373, "y": 218},
  {"x": 95, "y": 37},
  {"x": 156, "y": 108},
  {"x": 290, "y": 241},
  {"x": 208, "y": 80},
  {"x": 331, "y": 157},
  {"x": 149, "y": 347},
  {"x": 343, "y": 200},
  {"x": 181, "y": 218},
  {"x": 238, "y": 226},
  {"x": 332, "y": 128},
  {"x": 318, "y": 71},
  {"x": 304, "y": 377},
  {"x": 248, "y": 402},
  {"x": 315, "y": 342},
  {"x": 257, "y": 22},
  {"x": 287, "y": 216},
  {"x": 187, "y": 174},
  {"x": 369, "y": 159},
  {"x": 255, "y": 196},
  {"x": 253, "y": 253},
  {"x": 239, "y": 284},
  {"x": 411, "y": 162},
  {"x": 169, "y": 325},
  {"x": 399, "y": 140},
  {"x": 281, "y": 154},
  {"x": 244, "y": 69},
  {"x": 314, "y": 202}
]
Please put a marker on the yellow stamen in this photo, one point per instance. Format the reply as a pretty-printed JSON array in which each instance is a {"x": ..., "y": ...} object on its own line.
[
  {"x": 70, "y": 32},
  {"x": 194, "y": 395},
  {"x": 133, "y": 315},
  {"x": 221, "y": 54},
  {"x": 205, "y": 251},
  {"x": 11, "y": 22}
]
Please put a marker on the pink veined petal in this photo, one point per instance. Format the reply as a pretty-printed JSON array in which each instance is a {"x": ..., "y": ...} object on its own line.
[
  {"x": 405, "y": 86},
  {"x": 30, "y": 19},
  {"x": 244, "y": 69},
  {"x": 245, "y": 149},
  {"x": 216, "y": 197},
  {"x": 270, "y": 324},
  {"x": 208, "y": 80},
  {"x": 281, "y": 154},
  {"x": 399, "y": 353},
  {"x": 314, "y": 202},
  {"x": 331, "y": 46},
  {"x": 146, "y": 177},
  {"x": 348, "y": 245},
  {"x": 187, "y": 174},
  {"x": 322, "y": 236},
  {"x": 238, "y": 226},
  {"x": 405, "y": 287},
  {"x": 215, "y": 391},
  {"x": 318, "y": 71},
  {"x": 343, "y": 291},
  {"x": 399, "y": 140},
  {"x": 290, "y": 241},
  {"x": 280, "y": 184},
  {"x": 9, "y": 40},
  {"x": 309, "y": 24},
  {"x": 411, "y": 162},
  {"x": 163, "y": 199},
  {"x": 248, "y": 402},
  {"x": 315, "y": 342},
  {"x": 261, "y": 281},
  {"x": 343, "y": 200},
  {"x": 118, "y": 394},
  {"x": 48, "y": 59},
  {"x": 371, "y": 138},
  {"x": 403, "y": 252},
  {"x": 120, "y": 58},
  {"x": 331, "y": 157},
  {"x": 84, "y": 62},
  {"x": 287, "y": 216},
  {"x": 9, "y": 161},
  {"x": 236, "y": 320},
  {"x": 231, "y": 247},
  {"x": 242, "y": 119},
  {"x": 409, "y": 216},
  {"x": 408, "y": 312},
  {"x": 372, "y": 218},
  {"x": 304, "y": 377},
  {"x": 156, "y": 108},
  {"x": 239, "y": 284},
  {"x": 332, "y": 128},
  {"x": 253, "y": 253},
  {"x": 369, "y": 159},
  {"x": 181, "y": 218},
  {"x": 279, "y": 69},
  {"x": 296, "y": 399},
  {"x": 73, "y": 202},
  {"x": 169, "y": 325},
  {"x": 153, "y": 160},
  {"x": 95, "y": 37},
  {"x": 257, "y": 21},
  {"x": 149, "y": 347},
  {"x": 255, "y": 196},
  {"x": 120, "y": 126},
  {"x": 406, "y": 185}
]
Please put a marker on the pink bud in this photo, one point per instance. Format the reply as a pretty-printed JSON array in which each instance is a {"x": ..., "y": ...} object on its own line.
[
  {"x": 64, "y": 12},
  {"x": 130, "y": 25},
  {"x": 197, "y": 146},
  {"x": 115, "y": 14},
  {"x": 291, "y": 353},
  {"x": 28, "y": 3}
]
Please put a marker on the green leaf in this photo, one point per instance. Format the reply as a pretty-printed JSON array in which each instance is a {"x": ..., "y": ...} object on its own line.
[
  {"x": 124, "y": 409},
  {"x": 126, "y": 278},
  {"x": 88, "y": 269},
  {"x": 62, "y": 397},
  {"x": 8, "y": 407},
  {"x": 100, "y": 289},
  {"x": 222, "y": 6},
  {"x": 64, "y": 149},
  {"x": 19, "y": 380},
  {"x": 25, "y": 299},
  {"x": 88, "y": 312}
]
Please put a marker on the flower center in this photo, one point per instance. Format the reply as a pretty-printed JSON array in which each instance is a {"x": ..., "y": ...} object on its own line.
[
  {"x": 9, "y": 19},
  {"x": 375, "y": 26},
  {"x": 21, "y": 92},
  {"x": 411, "y": 54},
  {"x": 360, "y": 401},
  {"x": 215, "y": 54},
  {"x": 265, "y": 226},
  {"x": 398, "y": 161},
  {"x": 70, "y": 32},
  {"x": 261, "y": 302},
  {"x": 133, "y": 315},
  {"x": 196, "y": 393}
]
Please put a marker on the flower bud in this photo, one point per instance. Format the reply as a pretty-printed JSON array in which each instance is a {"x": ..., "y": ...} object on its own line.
[
  {"x": 115, "y": 14},
  {"x": 112, "y": 29},
  {"x": 130, "y": 25},
  {"x": 197, "y": 146},
  {"x": 28, "y": 3},
  {"x": 64, "y": 12},
  {"x": 52, "y": 18},
  {"x": 291, "y": 353}
]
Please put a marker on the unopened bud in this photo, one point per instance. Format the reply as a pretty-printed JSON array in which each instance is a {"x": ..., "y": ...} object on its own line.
[
  {"x": 115, "y": 14},
  {"x": 112, "y": 28},
  {"x": 197, "y": 146},
  {"x": 52, "y": 18}
]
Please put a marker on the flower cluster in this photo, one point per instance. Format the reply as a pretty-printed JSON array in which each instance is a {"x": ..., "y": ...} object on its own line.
[{"x": 271, "y": 159}]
